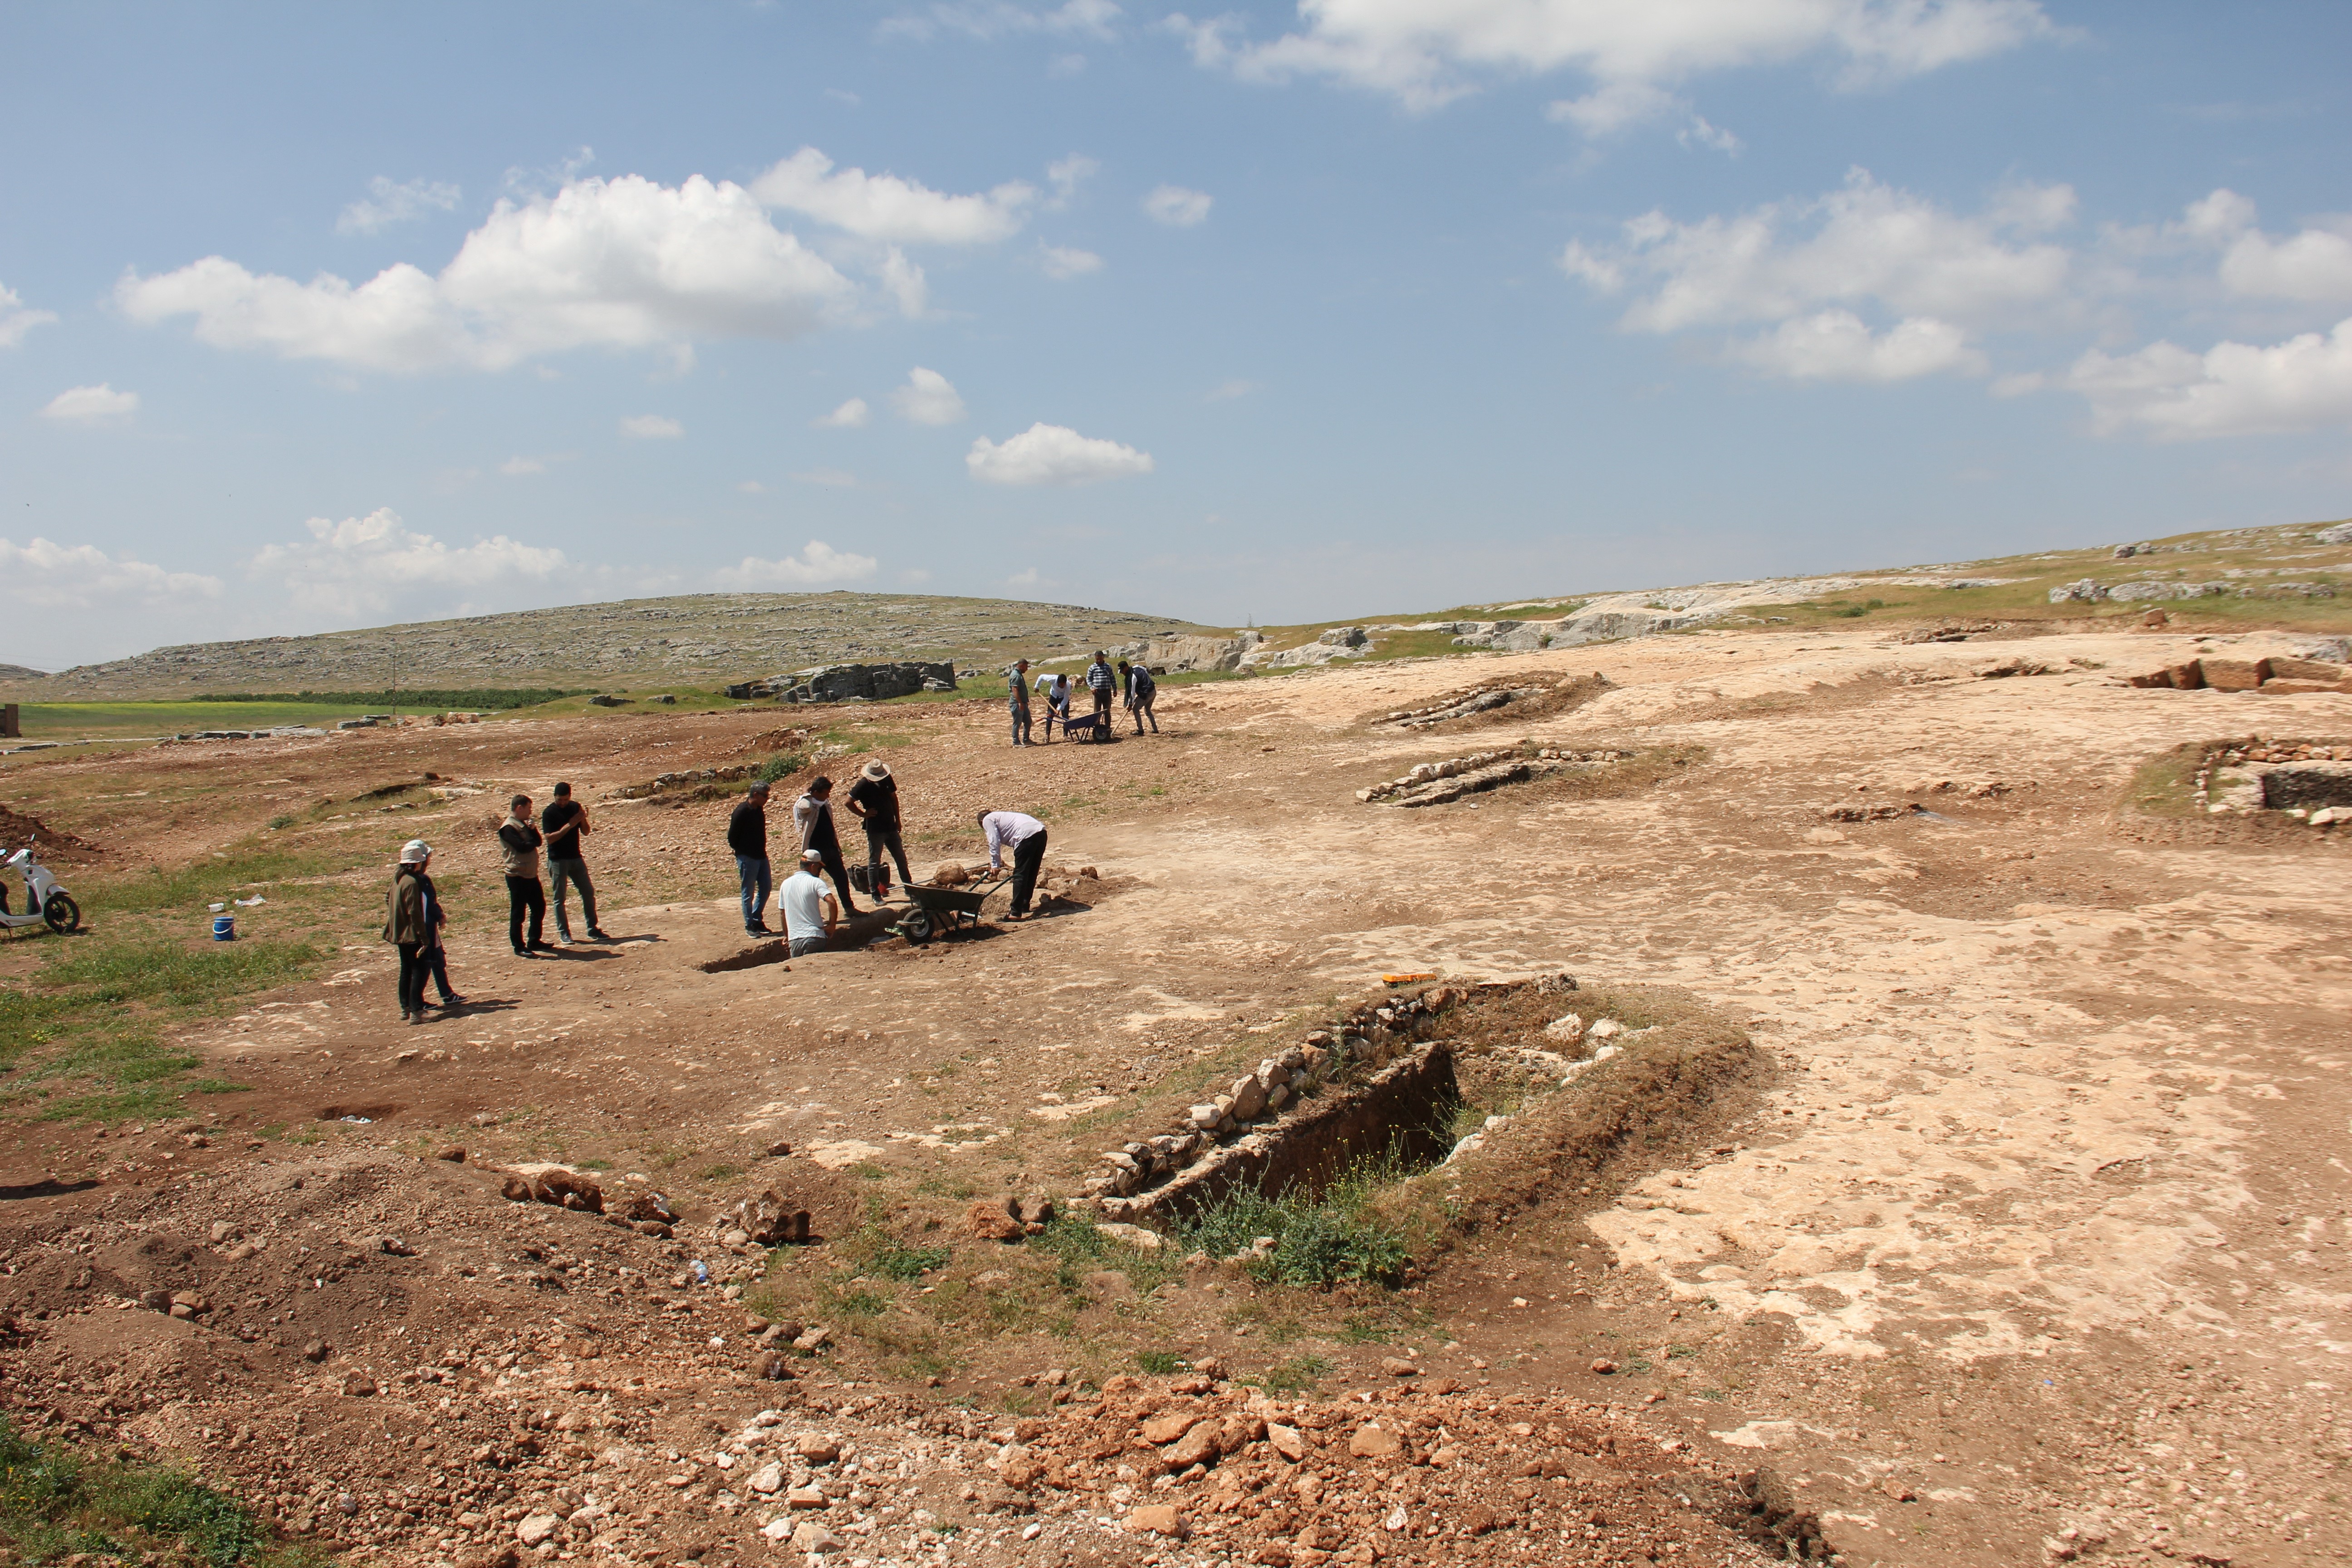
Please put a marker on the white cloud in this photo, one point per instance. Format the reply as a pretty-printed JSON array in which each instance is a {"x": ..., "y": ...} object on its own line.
[
  {"x": 363, "y": 566},
  {"x": 1702, "y": 132},
  {"x": 885, "y": 207},
  {"x": 1613, "y": 107},
  {"x": 817, "y": 564},
  {"x": 1868, "y": 242},
  {"x": 991, "y": 19},
  {"x": 43, "y": 574},
  {"x": 1025, "y": 578},
  {"x": 1836, "y": 346},
  {"x": 927, "y": 398},
  {"x": 828, "y": 479},
  {"x": 1063, "y": 262},
  {"x": 388, "y": 203},
  {"x": 850, "y": 415},
  {"x": 2231, "y": 389},
  {"x": 1176, "y": 207},
  {"x": 519, "y": 467},
  {"x": 90, "y": 404},
  {"x": 624, "y": 263},
  {"x": 651, "y": 427},
  {"x": 1429, "y": 52},
  {"x": 1053, "y": 455},
  {"x": 1230, "y": 389},
  {"x": 750, "y": 487},
  {"x": 16, "y": 320},
  {"x": 905, "y": 283},
  {"x": 1065, "y": 175},
  {"x": 2313, "y": 266}
]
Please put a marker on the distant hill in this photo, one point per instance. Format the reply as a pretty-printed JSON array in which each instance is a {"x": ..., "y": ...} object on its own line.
[{"x": 697, "y": 640}]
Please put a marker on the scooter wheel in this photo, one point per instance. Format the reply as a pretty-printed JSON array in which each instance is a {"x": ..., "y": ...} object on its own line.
[{"x": 62, "y": 913}]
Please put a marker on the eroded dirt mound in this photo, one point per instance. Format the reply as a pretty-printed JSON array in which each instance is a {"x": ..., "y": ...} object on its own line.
[
  {"x": 1513, "y": 700},
  {"x": 16, "y": 830}
]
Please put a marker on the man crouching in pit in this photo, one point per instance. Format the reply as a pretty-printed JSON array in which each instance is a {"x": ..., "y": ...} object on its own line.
[{"x": 812, "y": 914}]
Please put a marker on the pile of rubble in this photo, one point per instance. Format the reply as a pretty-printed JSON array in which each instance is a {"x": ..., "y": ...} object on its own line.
[
  {"x": 849, "y": 683},
  {"x": 2309, "y": 782},
  {"x": 1438, "y": 784},
  {"x": 2280, "y": 675}
]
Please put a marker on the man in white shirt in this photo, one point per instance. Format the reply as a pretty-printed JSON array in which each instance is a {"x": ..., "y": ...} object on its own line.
[
  {"x": 1026, "y": 837},
  {"x": 811, "y": 913}
]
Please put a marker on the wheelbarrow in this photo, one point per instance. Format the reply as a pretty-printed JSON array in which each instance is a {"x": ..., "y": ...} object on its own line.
[{"x": 940, "y": 909}]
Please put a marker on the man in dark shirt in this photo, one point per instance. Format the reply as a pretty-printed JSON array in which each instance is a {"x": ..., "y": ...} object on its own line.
[
  {"x": 564, "y": 822},
  {"x": 1141, "y": 691},
  {"x": 813, "y": 815},
  {"x": 874, "y": 800},
  {"x": 747, "y": 835}
]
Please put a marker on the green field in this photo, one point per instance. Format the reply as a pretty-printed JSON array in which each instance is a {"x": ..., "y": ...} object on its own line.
[{"x": 93, "y": 721}]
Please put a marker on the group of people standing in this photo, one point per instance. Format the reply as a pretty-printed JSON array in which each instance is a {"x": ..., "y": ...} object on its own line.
[
  {"x": 1134, "y": 684},
  {"x": 812, "y": 913}
]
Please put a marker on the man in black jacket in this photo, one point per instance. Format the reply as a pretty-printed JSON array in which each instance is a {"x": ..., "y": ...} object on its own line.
[
  {"x": 518, "y": 844},
  {"x": 747, "y": 835},
  {"x": 874, "y": 800},
  {"x": 564, "y": 822}
]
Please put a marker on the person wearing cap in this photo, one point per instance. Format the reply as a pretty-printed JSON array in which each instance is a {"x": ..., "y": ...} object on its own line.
[
  {"x": 811, "y": 914},
  {"x": 436, "y": 921},
  {"x": 519, "y": 845},
  {"x": 565, "y": 821},
  {"x": 747, "y": 835},
  {"x": 408, "y": 926},
  {"x": 813, "y": 815},
  {"x": 874, "y": 800},
  {"x": 1026, "y": 837},
  {"x": 1102, "y": 682},
  {"x": 1018, "y": 698}
]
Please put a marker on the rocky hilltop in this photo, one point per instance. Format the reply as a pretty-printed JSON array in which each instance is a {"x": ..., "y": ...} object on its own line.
[{"x": 700, "y": 639}]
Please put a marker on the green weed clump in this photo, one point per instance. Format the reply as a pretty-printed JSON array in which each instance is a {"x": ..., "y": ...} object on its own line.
[
  {"x": 54, "y": 1505},
  {"x": 1334, "y": 1238}
]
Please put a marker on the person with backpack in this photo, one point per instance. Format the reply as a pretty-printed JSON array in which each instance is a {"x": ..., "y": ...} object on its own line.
[
  {"x": 874, "y": 800},
  {"x": 408, "y": 926},
  {"x": 564, "y": 822},
  {"x": 1141, "y": 691},
  {"x": 812, "y": 814},
  {"x": 519, "y": 845}
]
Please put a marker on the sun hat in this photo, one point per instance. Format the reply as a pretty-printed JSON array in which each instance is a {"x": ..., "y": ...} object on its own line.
[
  {"x": 413, "y": 852},
  {"x": 812, "y": 857},
  {"x": 878, "y": 770}
]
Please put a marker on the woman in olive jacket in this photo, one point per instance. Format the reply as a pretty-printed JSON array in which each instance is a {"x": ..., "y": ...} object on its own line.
[{"x": 409, "y": 927}]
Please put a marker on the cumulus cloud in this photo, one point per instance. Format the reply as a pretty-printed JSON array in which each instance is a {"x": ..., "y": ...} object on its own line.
[
  {"x": 624, "y": 264},
  {"x": 1427, "y": 53},
  {"x": 2313, "y": 266},
  {"x": 851, "y": 416},
  {"x": 1176, "y": 207},
  {"x": 651, "y": 427},
  {"x": 16, "y": 319},
  {"x": 1065, "y": 175},
  {"x": 1835, "y": 345},
  {"x": 1813, "y": 267},
  {"x": 885, "y": 207},
  {"x": 927, "y": 398},
  {"x": 90, "y": 404},
  {"x": 2231, "y": 389},
  {"x": 1053, "y": 455},
  {"x": 43, "y": 574},
  {"x": 816, "y": 565},
  {"x": 388, "y": 203},
  {"x": 363, "y": 566},
  {"x": 1063, "y": 262},
  {"x": 905, "y": 283}
]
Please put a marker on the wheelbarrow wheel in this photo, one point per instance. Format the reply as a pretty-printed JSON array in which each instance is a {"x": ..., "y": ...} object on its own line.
[
  {"x": 62, "y": 913},
  {"x": 916, "y": 927}
]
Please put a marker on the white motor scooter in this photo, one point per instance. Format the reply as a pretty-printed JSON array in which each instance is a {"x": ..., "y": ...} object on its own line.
[{"x": 47, "y": 903}]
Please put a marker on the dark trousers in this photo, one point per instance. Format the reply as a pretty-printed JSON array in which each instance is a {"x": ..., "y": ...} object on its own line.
[
  {"x": 414, "y": 968},
  {"x": 1028, "y": 857},
  {"x": 830, "y": 848},
  {"x": 877, "y": 839},
  {"x": 436, "y": 961},
  {"x": 525, "y": 894},
  {"x": 1102, "y": 705},
  {"x": 562, "y": 873},
  {"x": 1142, "y": 707}
]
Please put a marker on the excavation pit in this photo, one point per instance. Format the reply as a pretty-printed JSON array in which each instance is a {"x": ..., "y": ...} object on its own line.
[{"x": 2307, "y": 786}]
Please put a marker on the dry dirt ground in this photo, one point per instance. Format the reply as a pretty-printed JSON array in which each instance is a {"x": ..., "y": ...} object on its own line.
[{"x": 2030, "y": 1244}]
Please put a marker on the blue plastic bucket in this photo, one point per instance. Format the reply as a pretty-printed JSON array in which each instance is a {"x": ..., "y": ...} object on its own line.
[{"x": 224, "y": 927}]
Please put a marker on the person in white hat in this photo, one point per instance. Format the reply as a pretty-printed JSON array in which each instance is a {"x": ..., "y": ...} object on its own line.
[
  {"x": 874, "y": 800},
  {"x": 409, "y": 926}
]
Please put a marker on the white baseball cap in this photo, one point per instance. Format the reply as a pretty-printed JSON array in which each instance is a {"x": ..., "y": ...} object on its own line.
[{"x": 413, "y": 852}]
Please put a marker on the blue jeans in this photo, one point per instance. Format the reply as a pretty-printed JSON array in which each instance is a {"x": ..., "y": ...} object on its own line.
[{"x": 753, "y": 870}]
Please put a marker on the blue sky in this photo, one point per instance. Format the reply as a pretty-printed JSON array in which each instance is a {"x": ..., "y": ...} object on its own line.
[{"x": 314, "y": 317}]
